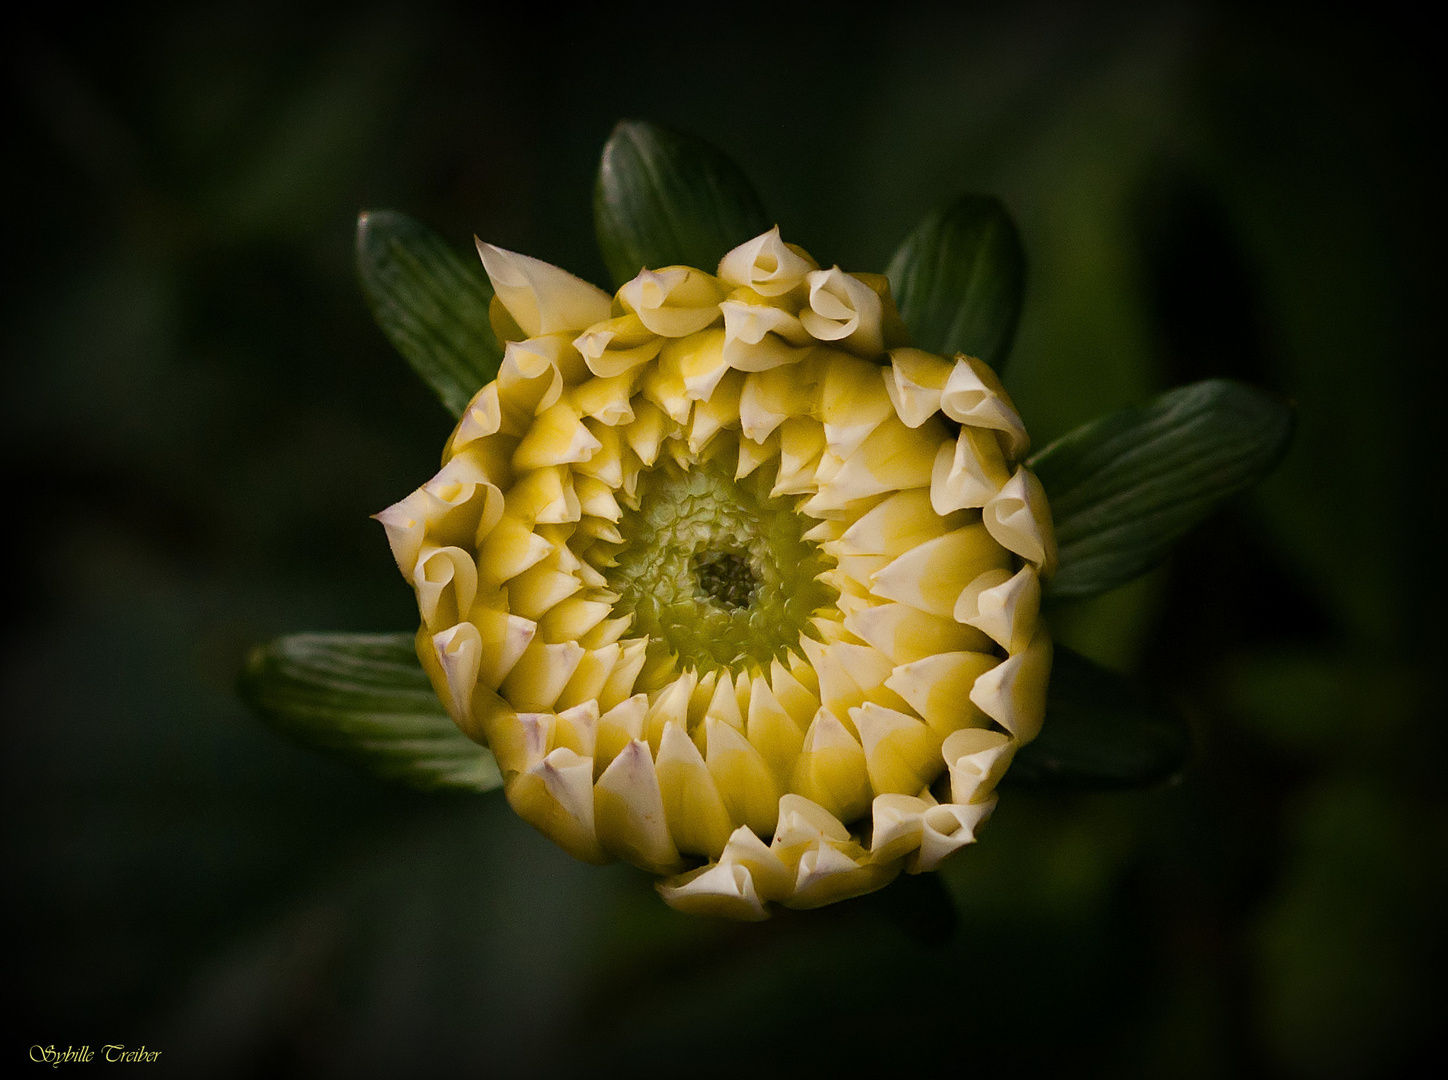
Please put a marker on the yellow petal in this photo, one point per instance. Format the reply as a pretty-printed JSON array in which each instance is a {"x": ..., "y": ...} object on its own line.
[
  {"x": 902, "y": 754},
  {"x": 931, "y": 576},
  {"x": 538, "y": 678},
  {"x": 744, "y": 779},
  {"x": 831, "y": 769},
  {"x": 698, "y": 819},
  {"x": 557, "y": 437},
  {"x": 906, "y": 634},
  {"x": 556, "y": 798},
  {"x": 939, "y": 688}
]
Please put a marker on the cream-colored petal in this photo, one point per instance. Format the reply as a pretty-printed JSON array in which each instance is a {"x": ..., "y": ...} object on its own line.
[
  {"x": 556, "y": 798},
  {"x": 803, "y": 821},
  {"x": 948, "y": 828},
  {"x": 826, "y": 875},
  {"x": 1014, "y": 693},
  {"x": 977, "y": 758},
  {"x": 843, "y": 310},
  {"x": 629, "y": 811},
  {"x": 569, "y": 619},
  {"x": 974, "y": 396},
  {"x": 501, "y": 640},
  {"x": 698, "y": 819},
  {"x": 772, "y": 876},
  {"x": 530, "y": 379},
  {"x": 903, "y": 520},
  {"x": 939, "y": 688},
  {"x": 446, "y": 580},
  {"x": 673, "y": 302},
  {"x": 769, "y": 398},
  {"x": 801, "y": 441},
  {"x": 459, "y": 652},
  {"x": 932, "y": 575},
  {"x": 773, "y": 732},
  {"x": 766, "y": 264},
  {"x": 544, "y": 497},
  {"x": 853, "y": 402},
  {"x": 968, "y": 474},
  {"x": 895, "y": 825},
  {"x": 406, "y": 525},
  {"x": 1003, "y": 605},
  {"x": 541, "y": 298},
  {"x": 607, "y": 400},
  {"x": 914, "y": 381},
  {"x": 617, "y": 348},
  {"x": 482, "y": 417},
  {"x": 723, "y": 890},
  {"x": 1020, "y": 520},
  {"x": 622, "y": 679}
]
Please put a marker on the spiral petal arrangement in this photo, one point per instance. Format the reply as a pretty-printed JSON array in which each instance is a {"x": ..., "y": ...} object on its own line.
[{"x": 737, "y": 585}]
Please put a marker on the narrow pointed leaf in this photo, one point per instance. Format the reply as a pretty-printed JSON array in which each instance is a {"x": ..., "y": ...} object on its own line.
[
  {"x": 958, "y": 280},
  {"x": 366, "y": 698},
  {"x": 663, "y": 199},
  {"x": 1100, "y": 732},
  {"x": 1124, "y": 488},
  {"x": 430, "y": 302}
]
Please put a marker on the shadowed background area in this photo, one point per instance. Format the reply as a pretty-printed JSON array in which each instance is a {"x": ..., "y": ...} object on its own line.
[{"x": 198, "y": 416}]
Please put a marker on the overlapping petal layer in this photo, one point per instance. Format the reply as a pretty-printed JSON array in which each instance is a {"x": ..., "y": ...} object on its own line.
[{"x": 736, "y": 585}]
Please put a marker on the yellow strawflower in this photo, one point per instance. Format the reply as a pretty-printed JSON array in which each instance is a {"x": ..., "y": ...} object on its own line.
[{"x": 736, "y": 585}]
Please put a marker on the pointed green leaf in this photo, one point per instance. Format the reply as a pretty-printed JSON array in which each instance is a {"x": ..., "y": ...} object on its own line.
[
  {"x": 431, "y": 303},
  {"x": 958, "y": 280},
  {"x": 1127, "y": 486},
  {"x": 663, "y": 199},
  {"x": 1100, "y": 732},
  {"x": 366, "y": 698}
]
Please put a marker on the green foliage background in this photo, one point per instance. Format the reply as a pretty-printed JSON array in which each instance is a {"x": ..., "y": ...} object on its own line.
[{"x": 198, "y": 416}]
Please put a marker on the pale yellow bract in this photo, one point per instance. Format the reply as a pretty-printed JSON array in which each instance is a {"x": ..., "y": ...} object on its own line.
[{"x": 737, "y": 585}]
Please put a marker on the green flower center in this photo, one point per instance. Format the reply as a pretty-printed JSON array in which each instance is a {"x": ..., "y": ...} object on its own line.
[{"x": 715, "y": 570}]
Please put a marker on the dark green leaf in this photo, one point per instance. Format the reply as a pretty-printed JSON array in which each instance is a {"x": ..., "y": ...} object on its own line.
[
  {"x": 665, "y": 199},
  {"x": 958, "y": 280},
  {"x": 1100, "y": 732},
  {"x": 1127, "y": 486},
  {"x": 430, "y": 302},
  {"x": 365, "y": 697}
]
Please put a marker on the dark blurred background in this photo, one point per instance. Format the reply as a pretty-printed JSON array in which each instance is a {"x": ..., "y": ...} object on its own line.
[{"x": 199, "y": 415}]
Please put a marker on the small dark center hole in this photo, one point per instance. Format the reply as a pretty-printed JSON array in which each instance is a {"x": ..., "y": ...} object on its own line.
[{"x": 726, "y": 578}]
